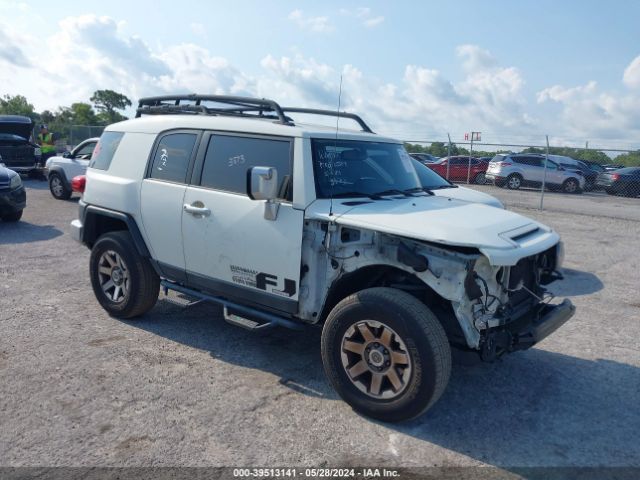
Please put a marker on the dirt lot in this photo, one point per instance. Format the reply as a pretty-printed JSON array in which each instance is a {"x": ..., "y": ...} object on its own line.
[{"x": 181, "y": 387}]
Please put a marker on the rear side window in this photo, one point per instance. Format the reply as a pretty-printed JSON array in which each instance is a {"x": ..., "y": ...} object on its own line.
[
  {"x": 171, "y": 160},
  {"x": 105, "y": 150},
  {"x": 229, "y": 158}
]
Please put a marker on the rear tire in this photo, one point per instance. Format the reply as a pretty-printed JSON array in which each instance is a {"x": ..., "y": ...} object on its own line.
[
  {"x": 12, "y": 217},
  {"x": 57, "y": 187},
  {"x": 386, "y": 354},
  {"x": 480, "y": 179},
  {"x": 514, "y": 181},
  {"x": 124, "y": 283}
]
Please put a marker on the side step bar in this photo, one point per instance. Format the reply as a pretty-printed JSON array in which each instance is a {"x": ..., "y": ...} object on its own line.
[{"x": 269, "y": 319}]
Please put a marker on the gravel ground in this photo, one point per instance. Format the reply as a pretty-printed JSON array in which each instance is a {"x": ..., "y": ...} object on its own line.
[{"x": 181, "y": 387}]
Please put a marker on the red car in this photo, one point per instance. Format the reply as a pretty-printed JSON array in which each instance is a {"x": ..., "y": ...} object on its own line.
[{"x": 458, "y": 169}]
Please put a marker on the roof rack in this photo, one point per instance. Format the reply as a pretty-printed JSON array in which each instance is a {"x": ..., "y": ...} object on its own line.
[
  {"x": 330, "y": 113},
  {"x": 246, "y": 107},
  {"x": 237, "y": 106}
]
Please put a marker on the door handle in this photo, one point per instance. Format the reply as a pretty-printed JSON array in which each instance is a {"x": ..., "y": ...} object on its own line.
[{"x": 197, "y": 209}]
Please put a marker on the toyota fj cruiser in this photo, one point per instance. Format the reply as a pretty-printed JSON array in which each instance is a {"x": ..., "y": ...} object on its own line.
[{"x": 228, "y": 199}]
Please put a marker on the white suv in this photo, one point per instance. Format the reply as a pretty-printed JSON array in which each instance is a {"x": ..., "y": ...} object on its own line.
[
  {"x": 528, "y": 170},
  {"x": 229, "y": 200},
  {"x": 60, "y": 170}
]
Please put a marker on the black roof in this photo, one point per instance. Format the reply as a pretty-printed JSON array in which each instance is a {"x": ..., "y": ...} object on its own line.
[{"x": 246, "y": 107}]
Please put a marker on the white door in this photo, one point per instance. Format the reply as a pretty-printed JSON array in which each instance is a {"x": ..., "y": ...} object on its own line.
[
  {"x": 161, "y": 198},
  {"x": 81, "y": 158},
  {"x": 230, "y": 248}
]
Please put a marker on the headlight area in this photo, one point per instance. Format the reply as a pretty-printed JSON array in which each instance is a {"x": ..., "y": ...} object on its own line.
[{"x": 15, "y": 182}]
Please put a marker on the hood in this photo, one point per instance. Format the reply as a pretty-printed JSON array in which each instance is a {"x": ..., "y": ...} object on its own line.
[
  {"x": 16, "y": 125},
  {"x": 469, "y": 195},
  {"x": 503, "y": 236}
]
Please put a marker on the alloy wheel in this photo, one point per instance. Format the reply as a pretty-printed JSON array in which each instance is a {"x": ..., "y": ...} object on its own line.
[
  {"x": 113, "y": 276},
  {"x": 376, "y": 359}
]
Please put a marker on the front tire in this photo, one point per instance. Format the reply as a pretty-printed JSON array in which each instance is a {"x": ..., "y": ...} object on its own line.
[
  {"x": 480, "y": 179},
  {"x": 124, "y": 283},
  {"x": 386, "y": 354},
  {"x": 571, "y": 185},
  {"x": 57, "y": 187}
]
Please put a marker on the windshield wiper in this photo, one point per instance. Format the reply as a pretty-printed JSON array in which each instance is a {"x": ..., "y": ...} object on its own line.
[
  {"x": 372, "y": 196},
  {"x": 395, "y": 191},
  {"x": 419, "y": 189},
  {"x": 444, "y": 186}
]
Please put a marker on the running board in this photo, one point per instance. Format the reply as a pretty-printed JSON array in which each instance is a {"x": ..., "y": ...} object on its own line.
[
  {"x": 268, "y": 319},
  {"x": 245, "y": 323}
]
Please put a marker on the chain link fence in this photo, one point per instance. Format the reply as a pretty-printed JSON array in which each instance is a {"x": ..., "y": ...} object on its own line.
[
  {"x": 68, "y": 136},
  {"x": 536, "y": 175}
]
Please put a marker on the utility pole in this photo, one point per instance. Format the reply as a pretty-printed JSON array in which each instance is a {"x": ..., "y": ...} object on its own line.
[
  {"x": 448, "y": 155},
  {"x": 544, "y": 174}
]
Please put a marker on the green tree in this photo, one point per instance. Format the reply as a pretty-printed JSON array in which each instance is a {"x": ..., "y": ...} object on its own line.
[
  {"x": 631, "y": 159},
  {"x": 17, "y": 105},
  {"x": 108, "y": 102},
  {"x": 83, "y": 114}
]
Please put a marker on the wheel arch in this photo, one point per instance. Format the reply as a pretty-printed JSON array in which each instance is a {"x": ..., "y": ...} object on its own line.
[
  {"x": 380, "y": 275},
  {"x": 98, "y": 221},
  {"x": 58, "y": 170}
]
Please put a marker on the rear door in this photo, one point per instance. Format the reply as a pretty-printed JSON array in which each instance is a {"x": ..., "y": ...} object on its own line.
[
  {"x": 162, "y": 196},
  {"x": 231, "y": 249}
]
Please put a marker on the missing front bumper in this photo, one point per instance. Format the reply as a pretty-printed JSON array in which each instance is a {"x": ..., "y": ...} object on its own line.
[{"x": 508, "y": 339}]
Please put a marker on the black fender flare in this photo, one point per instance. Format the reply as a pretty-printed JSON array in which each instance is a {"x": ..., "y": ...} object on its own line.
[{"x": 90, "y": 231}]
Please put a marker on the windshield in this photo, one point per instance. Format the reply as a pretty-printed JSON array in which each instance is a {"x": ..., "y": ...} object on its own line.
[
  {"x": 428, "y": 178},
  {"x": 351, "y": 168}
]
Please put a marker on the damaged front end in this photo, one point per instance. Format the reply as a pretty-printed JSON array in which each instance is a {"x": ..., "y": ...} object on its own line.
[{"x": 510, "y": 306}]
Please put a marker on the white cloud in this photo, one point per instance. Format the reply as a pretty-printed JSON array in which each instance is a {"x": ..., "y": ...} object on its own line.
[
  {"x": 320, "y": 24},
  {"x": 585, "y": 111},
  {"x": 364, "y": 15},
  {"x": 631, "y": 76},
  {"x": 10, "y": 50}
]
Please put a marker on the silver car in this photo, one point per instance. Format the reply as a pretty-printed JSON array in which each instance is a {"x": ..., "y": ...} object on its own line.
[{"x": 527, "y": 170}]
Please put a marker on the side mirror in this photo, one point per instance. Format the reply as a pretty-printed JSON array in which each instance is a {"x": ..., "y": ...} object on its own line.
[
  {"x": 67, "y": 155},
  {"x": 262, "y": 184}
]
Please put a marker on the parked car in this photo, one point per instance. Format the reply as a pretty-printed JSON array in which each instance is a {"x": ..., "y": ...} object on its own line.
[
  {"x": 578, "y": 167},
  {"x": 424, "y": 157},
  {"x": 527, "y": 170},
  {"x": 13, "y": 197},
  {"x": 595, "y": 166},
  {"x": 17, "y": 148},
  {"x": 443, "y": 188},
  {"x": 459, "y": 169},
  {"x": 624, "y": 181},
  {"x": 287, "y": 224},
  {"x": 613, "y": 166},
  {"x": 60, "y": 170}
]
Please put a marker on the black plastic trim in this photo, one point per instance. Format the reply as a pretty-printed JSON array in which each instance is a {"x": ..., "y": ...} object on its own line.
[
  {"x": 60, "y": 171},
  {"x": 89, "y": 230}
]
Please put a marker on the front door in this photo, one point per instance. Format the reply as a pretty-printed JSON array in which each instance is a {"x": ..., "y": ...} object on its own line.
[{"x": 230, "y": 249}]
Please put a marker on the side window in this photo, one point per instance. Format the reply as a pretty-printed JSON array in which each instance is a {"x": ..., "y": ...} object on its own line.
[
  {"x": 171, "y": 160},
  {"x": 534, "y": 161},
  {"x": 550, "y": 165},
  {"x": 105, "y": 150},
  {"x": 229, "y": 158},
  {"x": 86, "y": 151}
]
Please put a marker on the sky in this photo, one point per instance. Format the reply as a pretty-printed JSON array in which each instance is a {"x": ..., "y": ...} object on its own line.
[{"x": 415, "y": 70}]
